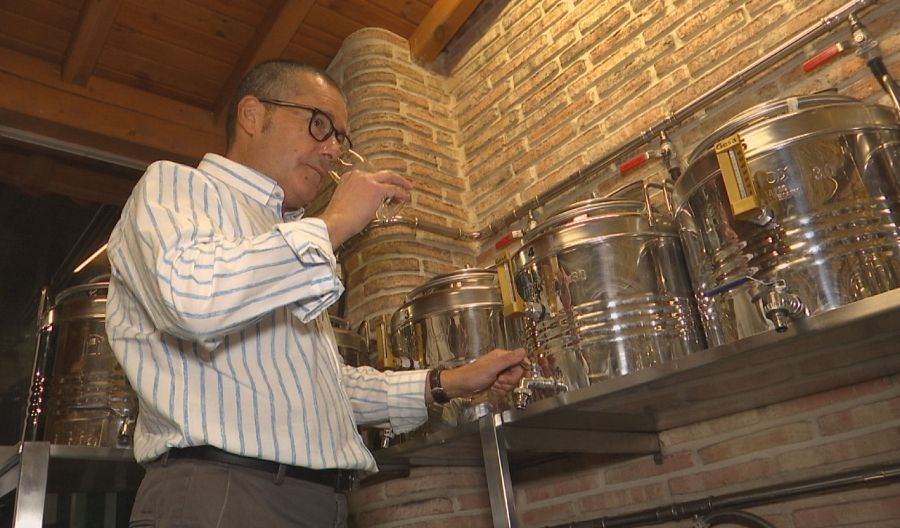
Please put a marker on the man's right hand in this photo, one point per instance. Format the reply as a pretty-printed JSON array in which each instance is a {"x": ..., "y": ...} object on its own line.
[{"x": 357, "y": 197}]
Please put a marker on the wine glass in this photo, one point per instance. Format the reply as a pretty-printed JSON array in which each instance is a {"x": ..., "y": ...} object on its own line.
[{"x": 352, "y": 160}]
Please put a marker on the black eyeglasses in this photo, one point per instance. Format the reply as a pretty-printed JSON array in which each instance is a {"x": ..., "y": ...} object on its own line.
[{"x": 321, "y": 127}]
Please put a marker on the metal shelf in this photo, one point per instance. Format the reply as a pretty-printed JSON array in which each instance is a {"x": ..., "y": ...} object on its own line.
[
  {"x": 851, "y": 344},
  {"x": 848, "y": 345}
]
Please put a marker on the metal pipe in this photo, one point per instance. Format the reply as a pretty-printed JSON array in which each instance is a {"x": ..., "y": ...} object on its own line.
[
  {"x": 872, "y": 476},
  {"x": 582, "y": 175},
  {"x": 797, "y": 41}
]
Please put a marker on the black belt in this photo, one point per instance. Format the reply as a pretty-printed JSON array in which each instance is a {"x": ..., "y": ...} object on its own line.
[{"x": 341, "y": 480}]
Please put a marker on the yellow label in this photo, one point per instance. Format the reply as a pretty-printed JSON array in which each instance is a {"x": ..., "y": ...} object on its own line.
[{"x": 739, "y": 185}]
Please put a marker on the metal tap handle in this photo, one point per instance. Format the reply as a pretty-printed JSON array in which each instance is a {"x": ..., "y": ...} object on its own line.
[{"x": 867, "y": 48}]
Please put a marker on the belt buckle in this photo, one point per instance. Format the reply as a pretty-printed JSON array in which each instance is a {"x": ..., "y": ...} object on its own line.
[{"x": 345, "y": 480}]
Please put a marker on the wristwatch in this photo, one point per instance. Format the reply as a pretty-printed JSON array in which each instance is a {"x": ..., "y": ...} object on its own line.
[{"x": 437, "y": 392}]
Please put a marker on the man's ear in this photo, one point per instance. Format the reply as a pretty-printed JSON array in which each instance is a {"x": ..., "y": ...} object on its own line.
[{"x": 250, "y": 115}]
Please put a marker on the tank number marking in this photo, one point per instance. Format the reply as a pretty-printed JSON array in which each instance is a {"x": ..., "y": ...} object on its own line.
[
  {"x": 778, "y": 181},
  {"x": 578, "y": 275}
]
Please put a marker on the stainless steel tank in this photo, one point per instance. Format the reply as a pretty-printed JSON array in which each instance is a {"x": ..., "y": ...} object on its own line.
[
  {"x": 791, "y": 209},
  {"x": 605, "y": 291},
  {"x": 351, "y": 345},
  {"x": 451, "y": 320},
  {"x": 80, "y": 395}
]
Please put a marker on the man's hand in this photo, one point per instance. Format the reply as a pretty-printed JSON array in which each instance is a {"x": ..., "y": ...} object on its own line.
[
  {"x": 357, "y": 197},
  {"x": 499, "y": 370}
]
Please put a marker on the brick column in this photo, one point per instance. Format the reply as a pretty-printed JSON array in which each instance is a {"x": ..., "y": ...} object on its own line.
[{"x": 401, "y": 119}]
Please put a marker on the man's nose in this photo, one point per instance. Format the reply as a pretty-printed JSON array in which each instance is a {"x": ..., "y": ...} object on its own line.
[{"x": 332, "y": 148}]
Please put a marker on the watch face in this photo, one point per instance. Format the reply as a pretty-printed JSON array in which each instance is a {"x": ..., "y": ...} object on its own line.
[{"x": 439, "y": 395}]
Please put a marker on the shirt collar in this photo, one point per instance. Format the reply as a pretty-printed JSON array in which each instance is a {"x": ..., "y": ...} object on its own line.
[{"x": 250, "y": 182}]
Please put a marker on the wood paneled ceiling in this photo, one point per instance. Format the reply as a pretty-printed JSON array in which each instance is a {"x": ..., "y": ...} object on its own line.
[
  {"x": 195, "y": 50},
  {"x": 151, "y": 78}
]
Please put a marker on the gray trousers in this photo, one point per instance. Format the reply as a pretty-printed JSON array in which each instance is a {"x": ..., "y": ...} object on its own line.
[{"x": 198, "y": 493}]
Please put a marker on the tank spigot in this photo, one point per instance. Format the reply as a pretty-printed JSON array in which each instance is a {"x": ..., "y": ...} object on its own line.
[
  {"x": 523, "y": 394},
  {"x": 387, "y": 435},
  {"x": 779, "y": 305},
  {"x": 125, "y": 429}
]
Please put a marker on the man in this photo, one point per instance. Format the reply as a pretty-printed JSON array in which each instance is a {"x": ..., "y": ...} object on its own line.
[{"x": 216, "y": 312}]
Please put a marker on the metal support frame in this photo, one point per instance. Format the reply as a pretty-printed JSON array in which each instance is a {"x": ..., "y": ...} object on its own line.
[
  {"x": 32, "y": 469},
  {"x": 496, "y": 468},
  {"x": 25, "y": 472},
  {"x": 498, "y": 439}
]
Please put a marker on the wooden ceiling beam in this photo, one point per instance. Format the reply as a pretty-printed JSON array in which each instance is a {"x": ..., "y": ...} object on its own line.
[
  {"x": 272, "y": 37},
  {"x": 42, "y": 174},
  {"x": 109, "y": 92},
  {"x": 438, "y": 27},
  {"x": 56, "y": 113},
  {"x": 94, "y": 24}
]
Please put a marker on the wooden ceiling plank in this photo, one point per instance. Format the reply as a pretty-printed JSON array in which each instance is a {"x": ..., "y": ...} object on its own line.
[
  {"x": 412, "y": 11},
  {"x": 317, "y": 40},
  {"x": 332, "y": 22},
  {"x": 52, "y": 14},
  {"x": 42, "y": 73},
  {"x": 308, "y": 56},
  {"x": 97, "y": 17},
  {"x": 370, "y": 15},
  {"x": 191, "y": 68},
  {"x": 438, "y": 27},
  {"x": 156, "y": 76},
  {"x": 54, "y": 108},
  {"x": 190, "y": 27},
  {"x": 272, "y": 37},
  {"x": 234, "y": 10},
  {"x": 32, "y": 36}
]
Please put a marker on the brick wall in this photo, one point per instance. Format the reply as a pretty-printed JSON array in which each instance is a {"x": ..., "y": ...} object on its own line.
[
  {"x": 545, "y": 87},
  {"x": 830, "y": 432},
  {"x": 532, "y": 91}
]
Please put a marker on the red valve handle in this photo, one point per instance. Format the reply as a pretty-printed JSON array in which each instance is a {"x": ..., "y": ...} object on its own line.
[
  {"x": 634, "y": 162},
  {"x": 505, "y": 241},
  {"x": 823, "y": 57}
]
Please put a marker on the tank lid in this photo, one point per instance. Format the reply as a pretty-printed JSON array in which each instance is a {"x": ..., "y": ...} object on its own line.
[
  {"x": 584, "y": 210},
  {"x": 455, "y": 280},
  {"x": 768, "y": 110},
  {"x": 90, "y": 288},
  {"x": 463, "y": 289}
]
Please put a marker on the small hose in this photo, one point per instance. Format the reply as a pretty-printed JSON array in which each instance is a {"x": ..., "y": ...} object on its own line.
[{"x": 741, "y": 518}]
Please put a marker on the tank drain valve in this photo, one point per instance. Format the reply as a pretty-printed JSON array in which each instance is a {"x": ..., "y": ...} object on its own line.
[
  {"x": 387, "y": 436},
  {"x": 779, "y": 305},
  {"x": 524, "y": 393}
]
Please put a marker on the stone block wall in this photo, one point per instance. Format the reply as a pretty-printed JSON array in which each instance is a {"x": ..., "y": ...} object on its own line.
[{"x": 528, "y": 94}]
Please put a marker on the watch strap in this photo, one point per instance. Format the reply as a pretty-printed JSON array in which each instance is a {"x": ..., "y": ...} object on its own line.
[{"x": 437, "y": 391}]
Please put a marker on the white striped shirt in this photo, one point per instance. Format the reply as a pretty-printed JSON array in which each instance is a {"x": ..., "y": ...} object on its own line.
[{"x": 216, "y": 311}]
